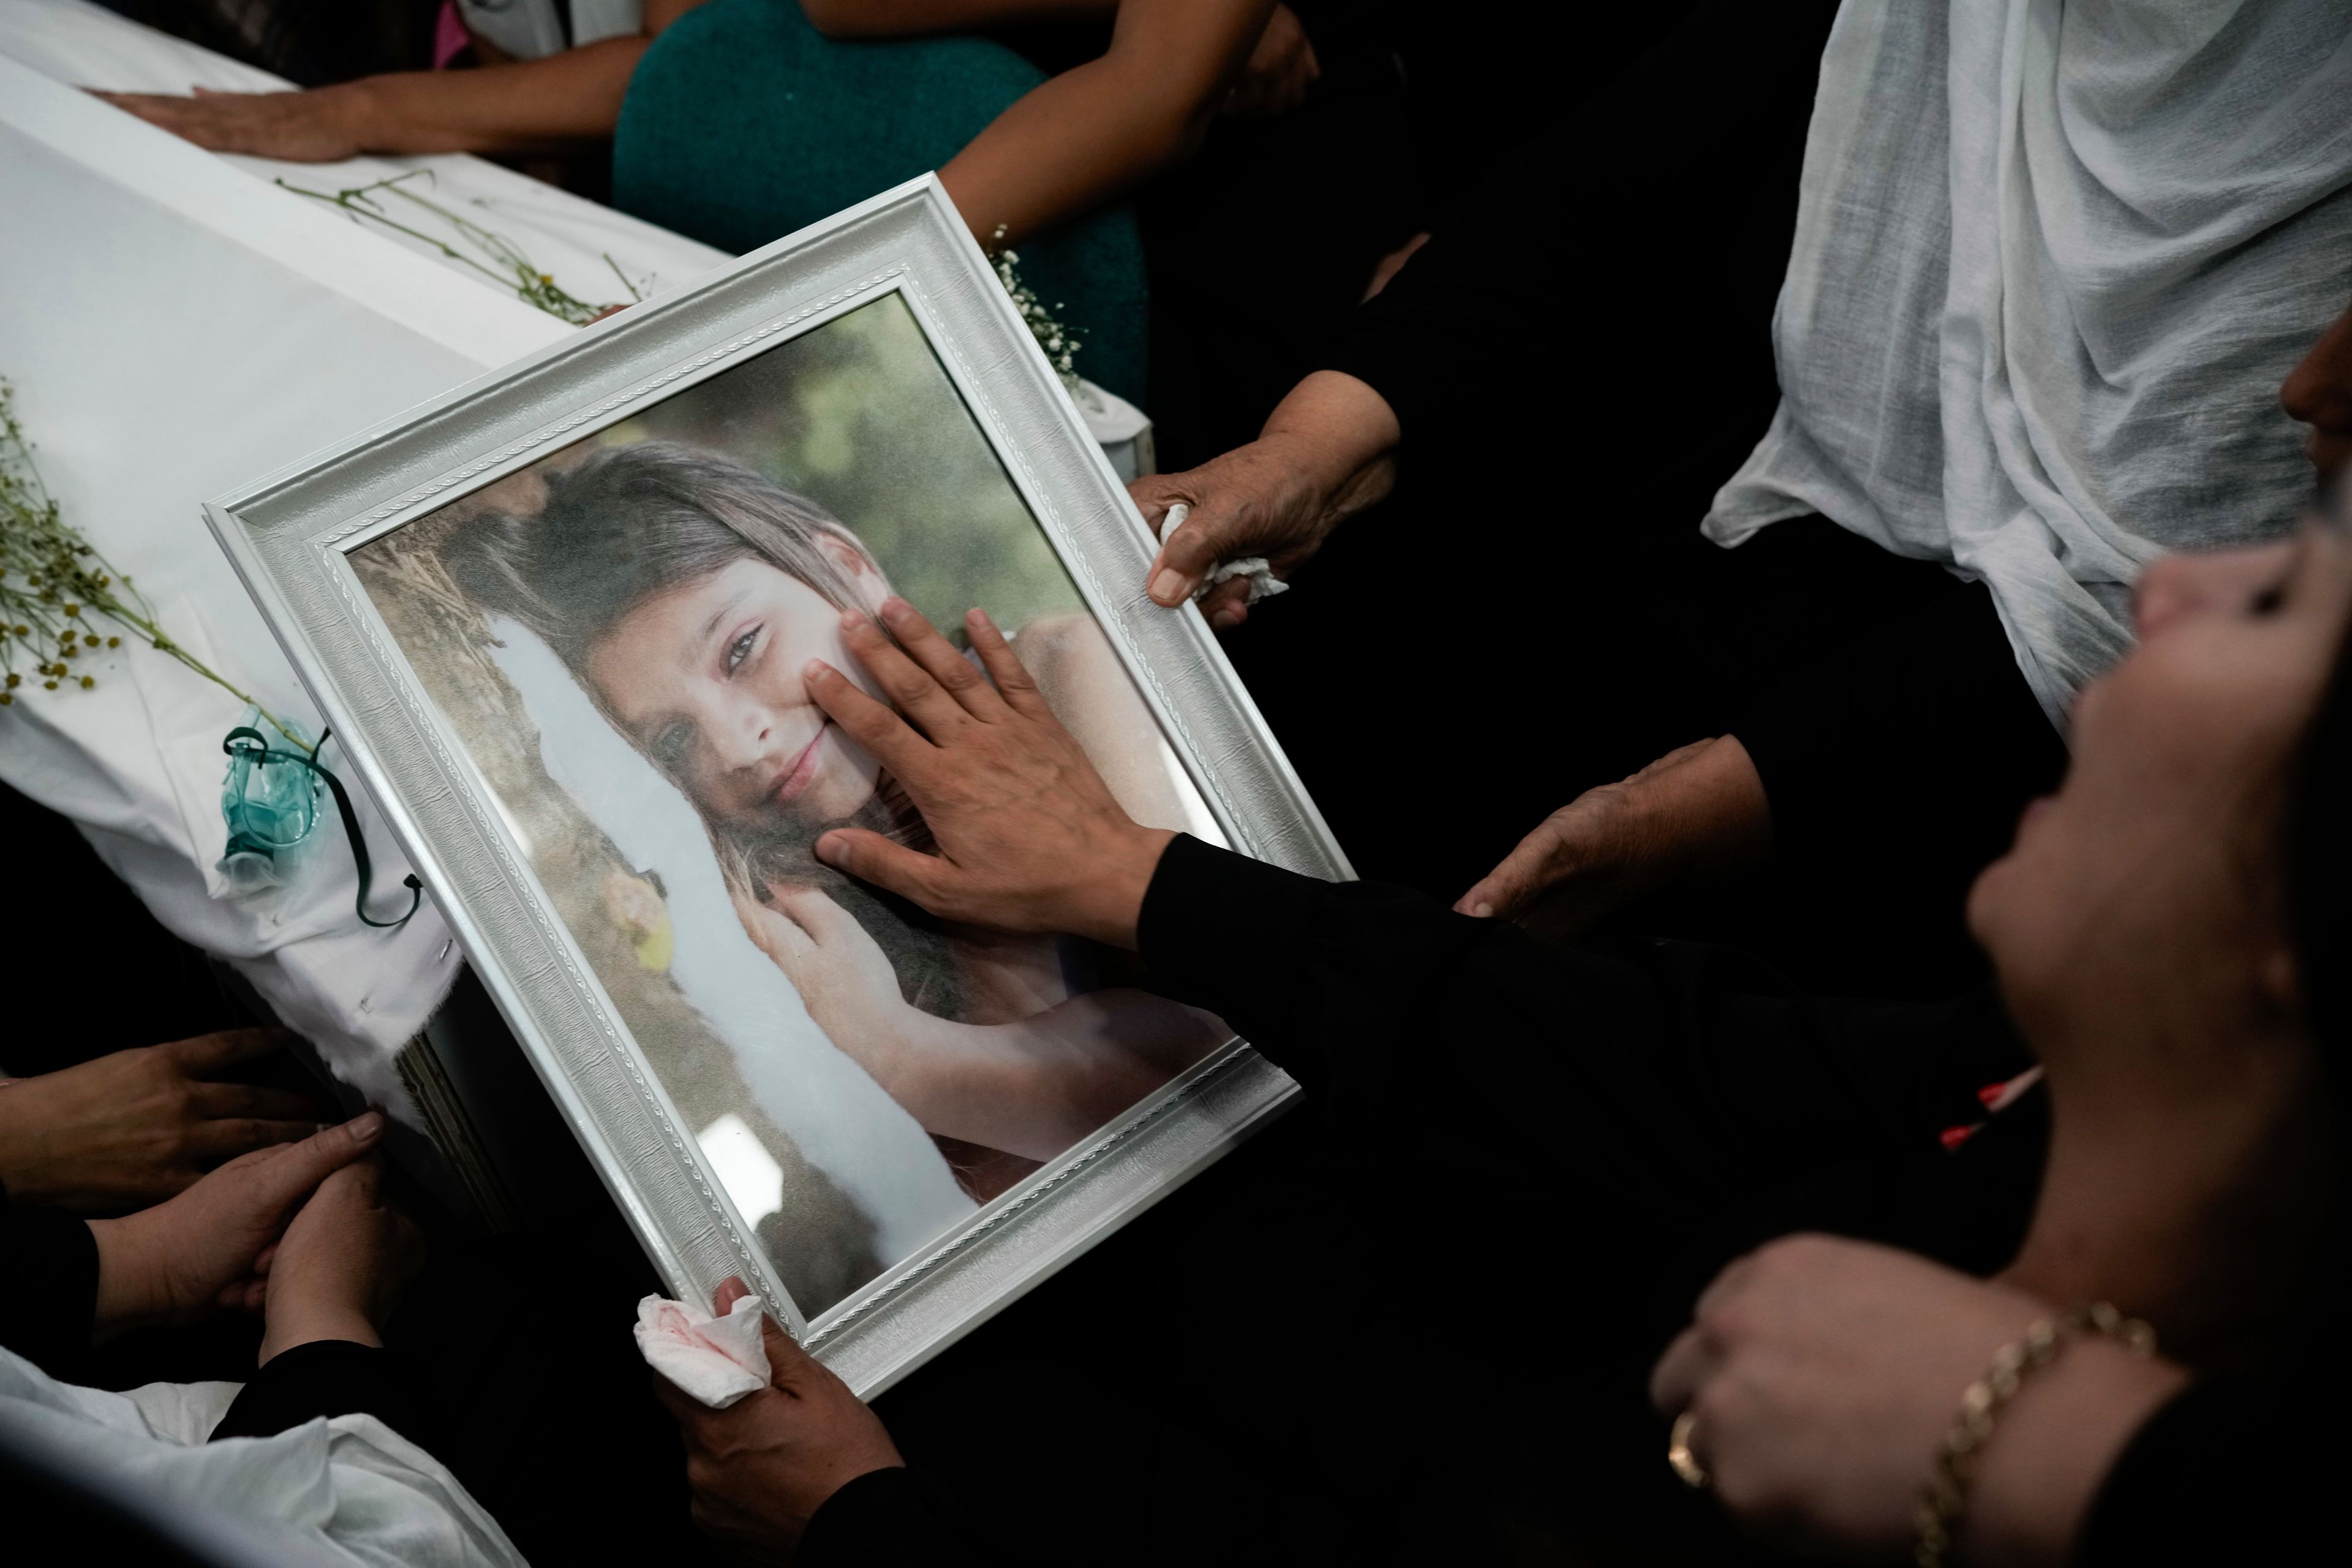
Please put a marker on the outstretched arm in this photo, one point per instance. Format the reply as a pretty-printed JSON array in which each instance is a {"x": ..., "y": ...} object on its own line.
[
  {"x": 525, "y": 106},
  {"x": 1092, "y": 133}
]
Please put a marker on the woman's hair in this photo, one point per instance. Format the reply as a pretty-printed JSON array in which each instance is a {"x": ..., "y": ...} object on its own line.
[{"x": 633, "y": 522}]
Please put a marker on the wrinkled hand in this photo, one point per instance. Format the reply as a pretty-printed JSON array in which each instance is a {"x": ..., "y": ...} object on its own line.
[
  {"x": 1322, "y": 458},
  {"x": 1029, "y": 837},
  {"x": 211, "y": 1247},
  {"x": 342, "y": 1264},
  {"x": 135, "y": 1127},
  {"x": 762, "y": 1467},
  {"x": 1823, "y": 1373},
  {"x": 1281, "y": 67},
  {"x": 1700, "y": 808},
  {"x": 318, "y": 126}
]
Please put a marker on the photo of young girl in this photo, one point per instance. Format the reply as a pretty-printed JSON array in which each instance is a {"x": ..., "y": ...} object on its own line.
[{"x": 616, "y": 636}]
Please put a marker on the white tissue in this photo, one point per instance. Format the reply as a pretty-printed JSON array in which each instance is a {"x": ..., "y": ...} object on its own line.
[
  {"x": 1262, "y": 582},
  {"x": 717, "y": 1360}
]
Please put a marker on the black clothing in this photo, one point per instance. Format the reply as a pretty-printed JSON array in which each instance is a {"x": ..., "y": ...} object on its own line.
[
  {"x": 2235, "y": 1469},
  {"x": 48, "y": 1284},
  {"x": 1527, "y": 1163},
  {"x": 1258, "y": 248},
  {"x": 886, "y": 1518},
  {"x": 328, "y": 1377},
  {"x": 1577, "y": 359}
]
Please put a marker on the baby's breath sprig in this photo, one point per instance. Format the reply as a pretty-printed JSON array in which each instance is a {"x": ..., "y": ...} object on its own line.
[
  {"x": 1060, "y": 343},
  {"x": 506, "y": 266},
  {"x": 54, "y": 587}
]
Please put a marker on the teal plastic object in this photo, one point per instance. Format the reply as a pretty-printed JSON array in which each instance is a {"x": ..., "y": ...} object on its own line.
[{"x": 270, "y": 802}]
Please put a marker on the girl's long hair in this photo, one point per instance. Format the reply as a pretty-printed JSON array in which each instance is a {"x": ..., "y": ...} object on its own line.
[{"x": 633, "y": 522}]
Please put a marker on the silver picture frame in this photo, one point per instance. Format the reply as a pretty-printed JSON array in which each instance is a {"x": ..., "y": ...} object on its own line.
[{"x": 290, "y": 536}]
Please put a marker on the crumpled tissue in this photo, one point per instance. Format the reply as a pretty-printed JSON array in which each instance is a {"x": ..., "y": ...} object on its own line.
[
  {"x": 716, "y": 1359},
  {"x": 1262, "y": 582}
]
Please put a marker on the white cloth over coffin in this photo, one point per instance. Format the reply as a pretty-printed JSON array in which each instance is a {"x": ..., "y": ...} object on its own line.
[
  {"x": 181, "y": 327},
  {"x": 346, "y": 1490},
  {"x": 2053, "y": 259}
]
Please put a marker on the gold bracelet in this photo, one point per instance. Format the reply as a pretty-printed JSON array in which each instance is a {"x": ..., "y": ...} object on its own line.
[{"x": 1955, "y": 1461}]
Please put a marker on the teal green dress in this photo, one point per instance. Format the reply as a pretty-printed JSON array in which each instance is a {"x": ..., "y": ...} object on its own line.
[{"x": 743, "y": 122}]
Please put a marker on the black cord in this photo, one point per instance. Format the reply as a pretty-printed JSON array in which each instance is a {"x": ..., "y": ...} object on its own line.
[{"x": 343, "y": 806}]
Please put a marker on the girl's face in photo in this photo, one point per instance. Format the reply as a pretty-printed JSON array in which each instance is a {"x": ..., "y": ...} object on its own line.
[{"x": 706, "y": 679}]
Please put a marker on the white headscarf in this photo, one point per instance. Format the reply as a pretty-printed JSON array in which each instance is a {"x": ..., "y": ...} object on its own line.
[{"x": 2053, "y": 259}]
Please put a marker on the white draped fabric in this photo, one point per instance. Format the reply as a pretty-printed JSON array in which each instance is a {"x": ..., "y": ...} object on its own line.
[
  {"x": 346, "y": 1492},
  {"x": 175, "y": 327},
  {"x": 2053, "y": 259}
]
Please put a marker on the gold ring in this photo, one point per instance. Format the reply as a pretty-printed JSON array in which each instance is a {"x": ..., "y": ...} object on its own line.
[{"x": 1678, "y": 1452}]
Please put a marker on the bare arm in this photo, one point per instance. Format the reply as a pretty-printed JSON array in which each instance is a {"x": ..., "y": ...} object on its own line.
[
  {"x": 1030, "y": 1087},
  {"x": 1092, "y": 133},
  {"x": 1090, "y": 692},
  {"x": 1034, "y": 1087},
  {"x": 527, "y": 106},
  {"x": 906, "y": 18}
]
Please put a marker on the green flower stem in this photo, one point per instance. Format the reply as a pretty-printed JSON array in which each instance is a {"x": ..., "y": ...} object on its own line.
[
  {"x": 506, "y": 266},
  {"x": 53, "y": 582}
]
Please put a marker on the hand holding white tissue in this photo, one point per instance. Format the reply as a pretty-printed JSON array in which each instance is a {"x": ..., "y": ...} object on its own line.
[
  {"x": 1262, "y": 582},
  {"x": 717, "y": 1360}
]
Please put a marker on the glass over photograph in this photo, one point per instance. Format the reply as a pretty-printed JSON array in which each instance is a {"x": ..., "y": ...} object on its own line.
[{"x": 615, "y": 635}]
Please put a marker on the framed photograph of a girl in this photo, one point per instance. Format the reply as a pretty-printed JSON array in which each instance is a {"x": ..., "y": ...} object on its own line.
[{"x": 896, "y": 1124}]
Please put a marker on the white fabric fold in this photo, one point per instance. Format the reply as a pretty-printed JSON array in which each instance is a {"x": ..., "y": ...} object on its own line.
[
  {"x": 2053, "y": 259},
  {"x": 346, "y": 1492}
]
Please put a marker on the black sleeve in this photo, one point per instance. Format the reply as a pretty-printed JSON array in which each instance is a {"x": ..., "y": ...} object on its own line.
[
  {"x": 48, "y": 1284},
  {"x": 1923, "y": 717},
  {"x": 2235, "y": 1469},
  {"x": 1431, "y": 332},
  {"x": 329, "y": 1377},
  {"x": 1651, "y": 1076},
  {"x": 889, "y": 1519}
]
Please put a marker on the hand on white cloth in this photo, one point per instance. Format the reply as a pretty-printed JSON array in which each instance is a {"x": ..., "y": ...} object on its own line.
[{"x": 717, "y": 1360}]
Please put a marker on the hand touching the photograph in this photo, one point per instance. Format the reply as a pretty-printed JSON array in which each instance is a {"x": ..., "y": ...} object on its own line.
[
  {"x": 1030, "y": 838},
  {"x": 212, "y": 1247},
  {"x": 1821, "y": 1375},
  {"x": 137, "y": 1126},
  {"x": 1697, "y": 809},
  {"x": 762, "y": 1467},
  {"x": 342, "y": 1264},
  {"x": 1322, "y": 458}
]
